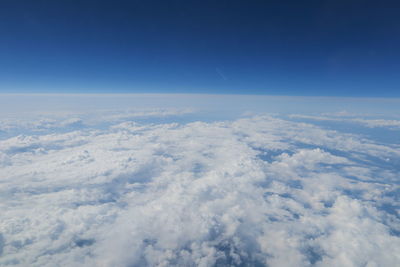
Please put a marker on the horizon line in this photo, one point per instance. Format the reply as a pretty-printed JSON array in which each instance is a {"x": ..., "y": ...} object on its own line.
[{"x": 200, "y": 94}]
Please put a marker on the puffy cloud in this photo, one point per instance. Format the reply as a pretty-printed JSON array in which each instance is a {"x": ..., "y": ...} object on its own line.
[
  {"x": 57, "y": 121},
  {"x": 254, "y": 191}
]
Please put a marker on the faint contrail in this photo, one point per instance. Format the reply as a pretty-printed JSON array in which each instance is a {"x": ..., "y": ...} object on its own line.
[{"x": 221, "y": 74}]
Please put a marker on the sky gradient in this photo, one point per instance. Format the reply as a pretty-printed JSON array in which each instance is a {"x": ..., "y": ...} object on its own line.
[{"x": 321, "y": 48}]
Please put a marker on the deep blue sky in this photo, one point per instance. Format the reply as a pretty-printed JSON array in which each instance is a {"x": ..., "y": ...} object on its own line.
[{"x": 340, "y": 48}]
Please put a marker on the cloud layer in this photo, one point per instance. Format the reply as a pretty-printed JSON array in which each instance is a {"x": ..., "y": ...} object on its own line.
[
  {"x": 371, "y": 123},
  {"x": 257, "y": 191}
]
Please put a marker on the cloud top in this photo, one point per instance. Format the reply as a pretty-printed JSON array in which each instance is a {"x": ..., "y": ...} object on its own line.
[{"x": 254, "y": 191}]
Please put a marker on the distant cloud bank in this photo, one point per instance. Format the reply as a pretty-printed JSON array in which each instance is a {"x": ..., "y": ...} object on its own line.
[{"x": 372, "y": 123}]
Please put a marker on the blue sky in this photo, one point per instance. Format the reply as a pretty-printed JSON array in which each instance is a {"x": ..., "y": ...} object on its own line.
[{"x": 322, "y": 48}]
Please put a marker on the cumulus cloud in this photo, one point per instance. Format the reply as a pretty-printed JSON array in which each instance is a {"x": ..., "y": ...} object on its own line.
[
  {"x": 58, "y": 121},
  {"x": 258, "y": 191}
]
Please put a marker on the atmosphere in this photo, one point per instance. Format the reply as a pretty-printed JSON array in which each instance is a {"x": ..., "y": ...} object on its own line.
[
  {"x": 199, "y": 133},
  {"x": 319, "y": 48}
]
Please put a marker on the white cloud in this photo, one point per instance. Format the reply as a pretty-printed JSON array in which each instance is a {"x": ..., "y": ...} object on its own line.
[
  {"x": 371, "y": 123},
  {"x": 258, "y": 190},
  {"x": 44, "y": 122}
]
